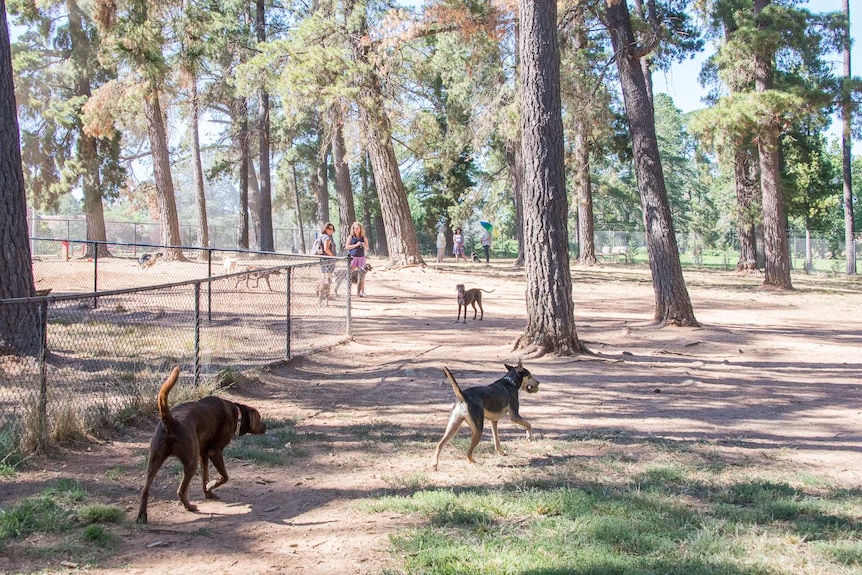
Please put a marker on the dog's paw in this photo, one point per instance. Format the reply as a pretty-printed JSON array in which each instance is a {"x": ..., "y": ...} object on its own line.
[{"x": 190, "y": 507}]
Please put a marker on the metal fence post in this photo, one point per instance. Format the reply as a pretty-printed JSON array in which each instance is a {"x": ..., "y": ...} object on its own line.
[
  {"x": 95, "y": 273},
  {"x": 349, "y": 290},
  {"x": 197, "y": 360},
  {"x": 287, "y": 313},
  {"x": 209, "y": 284},
  {"x": 42, "y": 409}
]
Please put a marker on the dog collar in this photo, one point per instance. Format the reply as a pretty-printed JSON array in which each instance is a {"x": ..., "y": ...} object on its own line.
[{"x": 238, "y": 420}]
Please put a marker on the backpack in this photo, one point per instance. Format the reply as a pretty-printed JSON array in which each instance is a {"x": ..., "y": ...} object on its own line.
[{"x": 317, "y": 248}]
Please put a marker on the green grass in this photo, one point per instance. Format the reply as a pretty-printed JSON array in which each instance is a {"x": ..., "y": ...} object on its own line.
[
  {"x": 280, "y": 443},
  {"x": 66, "y": 523},
  {"x": 668, "y": 514},
  {"x": 10, "y": 454}
]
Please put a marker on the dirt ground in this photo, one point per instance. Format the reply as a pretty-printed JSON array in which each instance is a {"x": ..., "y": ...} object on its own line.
[{"x": 772, "y": 378}]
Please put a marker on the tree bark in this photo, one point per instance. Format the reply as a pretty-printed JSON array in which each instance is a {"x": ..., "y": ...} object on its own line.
[
  {"x": 241, "y": 106},
  {"x": 365, "y": 194},
  {"x": 343, "y": 189},
  {"x": 550, "y": 307},
  {"x": 253, "y": 205},
  {"x": 515, "y": 165},
  {"x": 746, "y": 181},
  {"x": 321, "y": 182},
  {"x": 267, "y": 242},
  {"x": 584, "y": 187},
  {"x": 777, "y": 273},
  {"x": 18, "y": 323},
  {"x": 170, "y": 227},
  {"x": 197, "y": 168},
  {"x": 673, "y": 305},
  {"x": 298, "y": 209},
  {"x": 846, "y": 154}
]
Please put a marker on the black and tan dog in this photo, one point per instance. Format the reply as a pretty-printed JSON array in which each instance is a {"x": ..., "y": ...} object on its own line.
[
  {"x": 198, "y": 430},
  {"x": 470, "y": 297},
  {"x": 146, "y": 261},
  {"x": 340, "y": 275},
  {"x": 492, "y": 401}
]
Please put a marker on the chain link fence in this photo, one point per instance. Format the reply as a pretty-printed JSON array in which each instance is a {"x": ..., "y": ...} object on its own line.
[{"x": 93, "y": 352}]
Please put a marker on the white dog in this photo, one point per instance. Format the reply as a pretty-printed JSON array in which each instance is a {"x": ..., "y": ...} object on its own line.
[{"x": 229, "y": 264}]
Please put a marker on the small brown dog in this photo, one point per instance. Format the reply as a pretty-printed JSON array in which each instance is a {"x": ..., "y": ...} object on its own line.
[
  {"x": 468, "y": 297},
  {"x": 196, "y": 430},
  {"x": 492, "y": 401}
]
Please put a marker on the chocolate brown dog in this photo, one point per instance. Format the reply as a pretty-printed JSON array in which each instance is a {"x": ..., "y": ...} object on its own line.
[
  {"x": 196, "y": 430},
  {"x": 467, "y": 297},
  {"x": 491, "y": 401}
]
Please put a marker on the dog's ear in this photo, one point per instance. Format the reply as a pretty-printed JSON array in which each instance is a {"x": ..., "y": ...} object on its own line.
[
  {"x": 508, "y": 367},
  {"x": 519, "y": 363}
]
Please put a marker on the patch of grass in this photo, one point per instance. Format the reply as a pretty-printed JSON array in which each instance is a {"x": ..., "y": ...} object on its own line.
[
  {"x": 96, "y": 513},
  {"x": 635, "y": 515},
  {"x": 66, "y": 524},
  {"x": 275, "y": 447},
  {"x": 98, "y": 535},
  {"x": 11, "y": 455},
  {"x": 36, "y": 514},
  {"x": 387, "y": 432},
  {"x": 115, "y": 473},
  {"x": 411, "y": 482}
]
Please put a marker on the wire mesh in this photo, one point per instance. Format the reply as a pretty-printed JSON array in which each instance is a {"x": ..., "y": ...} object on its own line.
[{"x": 97, "y": 358}]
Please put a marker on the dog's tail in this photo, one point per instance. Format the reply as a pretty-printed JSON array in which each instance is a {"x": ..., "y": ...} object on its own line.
[
  {"x": 460, "y": 395},
  {"x": 488, "y": 290},
  {"x": 164, "y": 410},
  {"x": 454, "y": 383}
]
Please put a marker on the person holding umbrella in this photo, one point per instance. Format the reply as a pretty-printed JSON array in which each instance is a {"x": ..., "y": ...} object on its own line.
[{"x": 486, "y": 240}]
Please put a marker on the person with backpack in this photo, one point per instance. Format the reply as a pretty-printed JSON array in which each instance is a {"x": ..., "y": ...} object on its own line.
[{"x": 324, "y": 246}]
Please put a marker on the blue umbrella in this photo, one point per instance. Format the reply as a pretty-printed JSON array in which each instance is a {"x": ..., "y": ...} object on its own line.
[{"x": 487, "y": 225}]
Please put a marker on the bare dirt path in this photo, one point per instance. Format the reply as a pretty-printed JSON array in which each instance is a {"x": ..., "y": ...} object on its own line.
[{"x": 771, "y": 380}]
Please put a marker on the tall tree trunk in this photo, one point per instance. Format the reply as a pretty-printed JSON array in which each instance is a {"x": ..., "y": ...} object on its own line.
[
  {"x": 170, "y": 226},
  {"x": 298, "y": 210},
  {"x": 673, "y": 304},
  {"x": 646, "y": 67},
  {"x": 253, "y": 205},
  {"x": 18, "y": 323},
  {"x": 846, "y": 153},
  {"x": 267, "y": 241},
  {"x": 321, "y": 182},
  {"x": 401, "y": 240},
  {"x": 88, "y": 147},
  {"x": 777, "y": 273},
  {"x": 746, "y": 181},
  {"x": 244, "y": 161},
  {"x": 515, "y": 165},
  {"x": 584, "y": 187},
  {"x": 343, "y": 189},
  {"x": 197, "y": 168},
  {"x": 550, "y": 307},
  {"x": 380, "y": 245},
  {"x": 88, "y": 151},
  {"x": 367, "y": 203}
]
